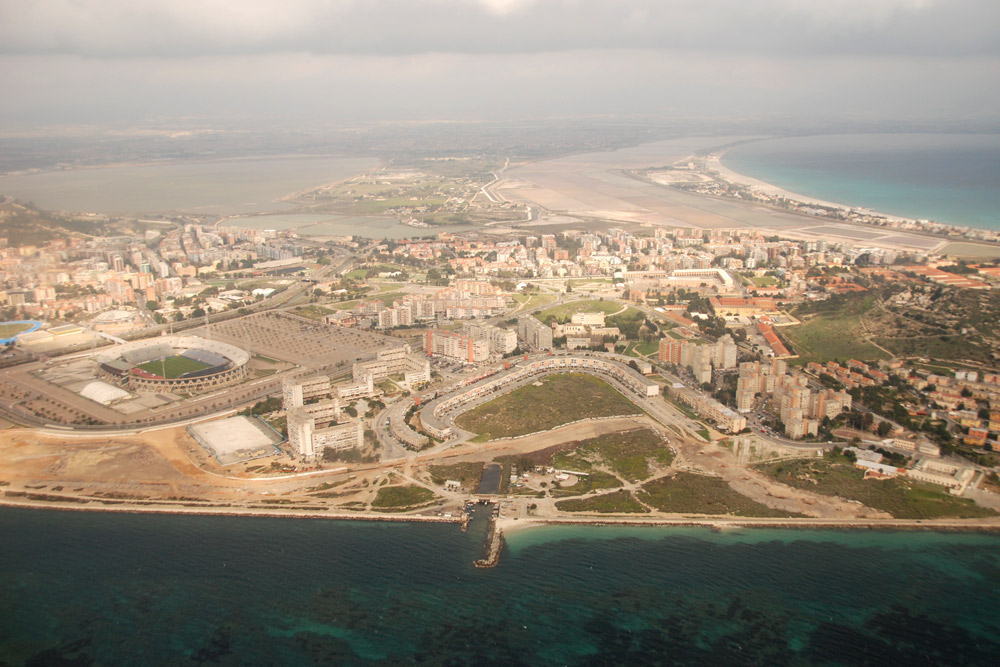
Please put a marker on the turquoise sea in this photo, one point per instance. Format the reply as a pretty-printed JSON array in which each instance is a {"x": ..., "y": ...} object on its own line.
[
  {"x": 120, "y": 589},
  {"x": 950, "y": 178}
]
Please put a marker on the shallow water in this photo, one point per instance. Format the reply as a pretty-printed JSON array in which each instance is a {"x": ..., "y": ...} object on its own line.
[{"x": 951, "y": 178}]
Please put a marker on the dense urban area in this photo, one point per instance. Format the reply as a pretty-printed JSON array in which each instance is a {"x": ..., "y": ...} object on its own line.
[{"x": 560, "y": 369}]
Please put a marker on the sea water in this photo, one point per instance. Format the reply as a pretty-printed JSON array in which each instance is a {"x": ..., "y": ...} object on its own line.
[
  {"x": 120, "y": 589},
  {"x": 950, "y": 178}
]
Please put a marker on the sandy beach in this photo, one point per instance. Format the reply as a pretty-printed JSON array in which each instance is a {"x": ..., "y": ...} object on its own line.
[{"x": 713, "y": 163}]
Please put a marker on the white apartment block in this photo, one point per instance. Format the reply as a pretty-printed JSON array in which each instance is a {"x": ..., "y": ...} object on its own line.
[
  {"x": 452, "y": 345},
  {"x": 317, "y": 427},
  {"x": 501, "y": 341},
  {"x": 535, "y": 334},
  {"x": 392, "y": 362}
]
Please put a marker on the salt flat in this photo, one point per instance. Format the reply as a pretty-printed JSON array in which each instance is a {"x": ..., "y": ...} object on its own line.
[{"x": 595, "y": 185}]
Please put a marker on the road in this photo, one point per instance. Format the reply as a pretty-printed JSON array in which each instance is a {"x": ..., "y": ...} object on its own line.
[{"x": 269, "y": 303}]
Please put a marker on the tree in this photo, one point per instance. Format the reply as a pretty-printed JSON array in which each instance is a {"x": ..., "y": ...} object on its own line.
[
  {"x": 883, "y": 429},
  {"x": 152, "y": 305}
]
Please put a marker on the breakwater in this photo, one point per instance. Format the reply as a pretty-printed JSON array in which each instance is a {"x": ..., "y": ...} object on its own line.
[{"x": 494, "y": 545}]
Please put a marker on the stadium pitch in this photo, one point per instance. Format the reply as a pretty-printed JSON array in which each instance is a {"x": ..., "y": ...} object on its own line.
[{"x": 173, "y": 367}]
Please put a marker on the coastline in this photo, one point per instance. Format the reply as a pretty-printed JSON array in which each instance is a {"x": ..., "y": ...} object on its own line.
[
  {"x": 719, "y": 523},
  {"x": 713, "y": 163},
  {"x": 509, "y": 526},
  {"x": 770, "y": 194},
  {"x": 125, "y": 507}
]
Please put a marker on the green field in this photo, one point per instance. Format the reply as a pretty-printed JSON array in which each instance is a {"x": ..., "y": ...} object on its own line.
[
  {"x": 617, "y": 502},
  {"x": 833, "y": 335},
  {"x": 543, "y": 405},
  {"x": 938, "y": 348},
  {"x": 563, "y": 312},
  {"x": 626, "y": 454},
  {"x": 398, "y": 497},
  {"x": 903, "y": 499},
  {"x": 313, "y": 312},
  {"x": 385, "y": 297},
  {"x": 638, "y": 349},
  {"x": 597, "y": 479},
  {"x": 764, "y": 281},
  {"x": 468, "y": 474},
  {"x": 172, "y": 367},
  {"x": 9, "y": 330},
  {"x": 688, "y": 493},
  {"x": 532, "y": 301}
]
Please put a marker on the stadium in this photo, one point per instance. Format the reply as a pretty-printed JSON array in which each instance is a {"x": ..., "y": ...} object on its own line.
[{"x": 174, "y": 363}]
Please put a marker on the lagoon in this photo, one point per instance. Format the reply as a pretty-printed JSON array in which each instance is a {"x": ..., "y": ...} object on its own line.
[{"x": 223, "y": 187}]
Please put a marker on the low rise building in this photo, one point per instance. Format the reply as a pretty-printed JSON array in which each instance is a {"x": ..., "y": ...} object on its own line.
[
  {"x": 955, "y": 478},
  {"x": 595, "y": 319},
  {"x": 724, "y": 418}
]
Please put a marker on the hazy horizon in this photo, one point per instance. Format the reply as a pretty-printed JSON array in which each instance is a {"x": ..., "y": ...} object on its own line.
[{"x": 91, "y": 64}]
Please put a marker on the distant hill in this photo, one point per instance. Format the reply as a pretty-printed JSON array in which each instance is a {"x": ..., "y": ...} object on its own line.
[{"x": 23, "y": 224}]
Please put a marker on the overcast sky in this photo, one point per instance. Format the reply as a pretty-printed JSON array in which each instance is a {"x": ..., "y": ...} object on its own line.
[{"x": 138, "y": 62}]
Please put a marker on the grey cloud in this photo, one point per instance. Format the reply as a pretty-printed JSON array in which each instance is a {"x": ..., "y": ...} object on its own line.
[
  {"x": 495, "y": 87},
  {"x": 189, "y": 28}
]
